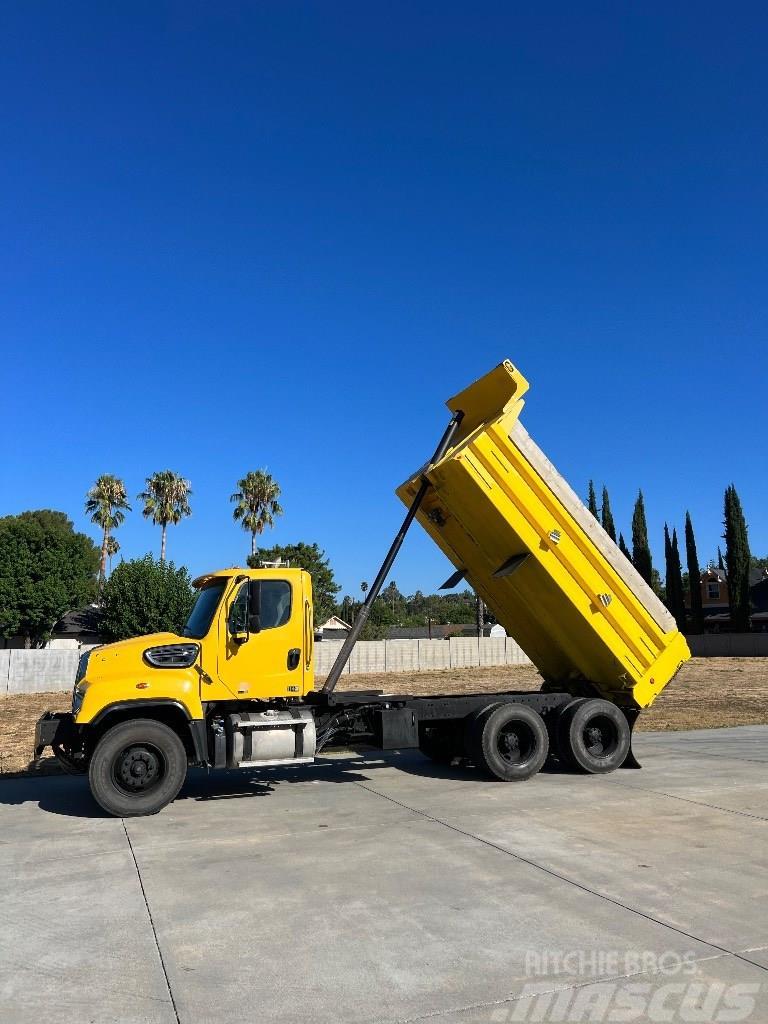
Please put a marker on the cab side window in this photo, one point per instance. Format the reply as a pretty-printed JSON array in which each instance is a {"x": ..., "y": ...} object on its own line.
[
  {"x": 275, "y": 603},
  {"x": 238, "y": 612}
]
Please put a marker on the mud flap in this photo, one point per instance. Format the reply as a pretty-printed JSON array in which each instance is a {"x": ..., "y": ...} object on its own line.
[{"x": 630, "y": 761}]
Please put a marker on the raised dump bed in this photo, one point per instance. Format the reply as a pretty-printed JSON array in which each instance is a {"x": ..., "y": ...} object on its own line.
[{"x": 551, "y": 575}]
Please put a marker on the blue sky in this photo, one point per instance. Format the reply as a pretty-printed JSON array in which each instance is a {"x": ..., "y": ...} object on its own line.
[{"x": 282, "y": 234}]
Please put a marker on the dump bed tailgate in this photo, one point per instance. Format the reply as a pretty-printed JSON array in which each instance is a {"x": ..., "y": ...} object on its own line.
[{"x": 544, "y": 566}]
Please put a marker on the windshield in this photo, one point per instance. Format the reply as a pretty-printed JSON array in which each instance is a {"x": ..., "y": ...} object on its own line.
[{"x": 203, "y": 610}]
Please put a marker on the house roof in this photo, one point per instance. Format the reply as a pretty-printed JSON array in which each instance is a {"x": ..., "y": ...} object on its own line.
[
  {"x": 79, "y": 622},
  {"x": 712, "y": 573},
  {"x": 438, "y": 632},
  {"x": 335, "y": 623}
]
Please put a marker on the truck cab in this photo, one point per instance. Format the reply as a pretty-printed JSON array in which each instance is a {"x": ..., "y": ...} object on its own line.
[{"x": 247, "y": 643}]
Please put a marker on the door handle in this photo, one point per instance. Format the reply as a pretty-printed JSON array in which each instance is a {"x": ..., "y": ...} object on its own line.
[{"x": 294, "y": 657}]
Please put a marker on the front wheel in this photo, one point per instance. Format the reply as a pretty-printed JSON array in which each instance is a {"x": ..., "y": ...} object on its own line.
[{"x": 137, "y": 768}]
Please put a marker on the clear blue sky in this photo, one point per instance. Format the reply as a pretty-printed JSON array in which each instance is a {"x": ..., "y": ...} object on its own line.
[{"x": 279, "y": 234}]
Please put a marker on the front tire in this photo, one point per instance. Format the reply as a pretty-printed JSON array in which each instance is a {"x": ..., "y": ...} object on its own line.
[{"x": 137, "y": 768}]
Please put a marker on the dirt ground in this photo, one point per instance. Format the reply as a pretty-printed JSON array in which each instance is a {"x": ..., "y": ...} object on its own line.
[{"x": 708, "y": 693}]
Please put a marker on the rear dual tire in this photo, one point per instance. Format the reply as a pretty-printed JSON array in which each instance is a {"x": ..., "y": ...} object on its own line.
[
  {"x": 593, "y": 736},
  {"x": 509, "y": 741}
]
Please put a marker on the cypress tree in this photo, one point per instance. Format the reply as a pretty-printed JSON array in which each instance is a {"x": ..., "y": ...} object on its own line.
[
  {"x": 607, "y": 516},
  {"x": 623, "y": 547},
  {"x": 737, "y": 557},
  {"x": 592, "y": 500},
  {"x": 641, "y": 551},
  {"x": 678, "y": 608},
  {"x": 674, "y": 598},
  {"x": 694, "y": 576},
  {"x": 667, "y": 552},
  {"x": 720, "y": 562}
]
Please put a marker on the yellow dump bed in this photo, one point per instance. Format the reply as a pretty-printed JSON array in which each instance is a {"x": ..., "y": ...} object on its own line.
[{"x": 541, "y": 562}]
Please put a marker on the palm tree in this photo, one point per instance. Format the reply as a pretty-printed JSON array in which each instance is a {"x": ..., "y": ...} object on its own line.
[
  {"x": 106, "y": 503},
  {"x": 257, "y": 505},
  {"x": 166, "y": 501},
  {"x": 364, "y": 588},
  {"x": 113, "y": 547}
]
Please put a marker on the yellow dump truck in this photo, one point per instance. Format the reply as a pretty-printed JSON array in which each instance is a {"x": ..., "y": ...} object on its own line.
[{"x": 236, "y": 689}]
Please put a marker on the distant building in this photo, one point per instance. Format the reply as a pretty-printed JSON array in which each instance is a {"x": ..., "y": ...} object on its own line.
[
  {"x": 78, "y": 630},
  {"x": 333, "y": 629},
  {"x": 437, "y": 632},
  {"x": 715, "y": 604},
  {"x": 73, "y": 632}
]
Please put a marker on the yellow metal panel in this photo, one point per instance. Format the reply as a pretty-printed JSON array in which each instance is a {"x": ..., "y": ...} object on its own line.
[{"x": 572, "y": 602}]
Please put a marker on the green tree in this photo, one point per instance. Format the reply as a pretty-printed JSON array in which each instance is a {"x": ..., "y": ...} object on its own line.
[
  {"x": 312, "y": 558},
  {"x": 737, "y": 558},
  {"x": 166, "y": 502},
  {"x": 758, "y": 563},
  {"x": 113, "y": 546},
  {"x": 720, "y": 562},
  {"x": 674, "y": 580},
  {"x": 641, "y": 551},
  {"x": 592, "y": 500},
  {"x": 46, "y": 569},
  {"x": 145, "y": 595},
  {"x": 257, "y": 505},
  {"x": 694, "y": 577},
  {"x": 363, "y": 589},
  {"x": 606, "y": 517},
  {"x": 623, "y": 547},
  {"x": 106, "y": 503}
]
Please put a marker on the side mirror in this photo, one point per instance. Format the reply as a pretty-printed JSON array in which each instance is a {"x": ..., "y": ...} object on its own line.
[
  {"x": 237, "y": 622},
  {"x": 254, "y": 606}
]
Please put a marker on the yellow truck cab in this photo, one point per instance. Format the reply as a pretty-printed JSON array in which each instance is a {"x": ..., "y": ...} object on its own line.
[{"x": 236, "y": 688}]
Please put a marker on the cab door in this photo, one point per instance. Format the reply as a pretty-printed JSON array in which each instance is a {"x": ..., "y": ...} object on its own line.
[{"x": 260, "y": 654}]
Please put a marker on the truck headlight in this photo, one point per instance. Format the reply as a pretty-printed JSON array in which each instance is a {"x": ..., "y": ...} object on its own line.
[
  {"x": 77, "y": 699},
  {"x": 172, "y": 655}
]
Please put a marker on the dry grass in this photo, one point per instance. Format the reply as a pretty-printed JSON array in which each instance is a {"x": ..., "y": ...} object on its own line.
[{"x": 708, "y": 693}]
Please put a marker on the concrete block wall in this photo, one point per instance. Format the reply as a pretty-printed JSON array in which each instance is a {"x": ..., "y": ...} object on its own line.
[
  {"x": 54, "y": 670},
  {"x": 421, "y": 655},
  {"x": 729, "y": 645},
  {"x": 37, "y": 671},
  {"x": 51, "y": 670}
]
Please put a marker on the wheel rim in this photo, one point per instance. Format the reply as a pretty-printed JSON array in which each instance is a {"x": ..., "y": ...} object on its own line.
[
  {"x": 138, "y": 769},
  {"x": 600, "y": 737},
  {"x": 515, "y": 743}
]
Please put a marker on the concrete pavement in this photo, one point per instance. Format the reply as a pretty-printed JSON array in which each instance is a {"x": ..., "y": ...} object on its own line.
[{"x": 386, "y": 889}]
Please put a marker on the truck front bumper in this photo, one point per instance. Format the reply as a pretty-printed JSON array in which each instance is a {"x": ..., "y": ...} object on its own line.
[{"x": 54, "y": 727}]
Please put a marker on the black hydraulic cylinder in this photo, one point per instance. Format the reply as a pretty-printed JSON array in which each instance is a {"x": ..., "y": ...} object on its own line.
[{"x": 362, "y": 616}]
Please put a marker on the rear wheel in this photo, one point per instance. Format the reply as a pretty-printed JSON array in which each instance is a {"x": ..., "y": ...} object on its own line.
[
  {"x": 509, "y": 741},
  {"x": 594, "y": 736},
  {"x": 137, "y": 768}
]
